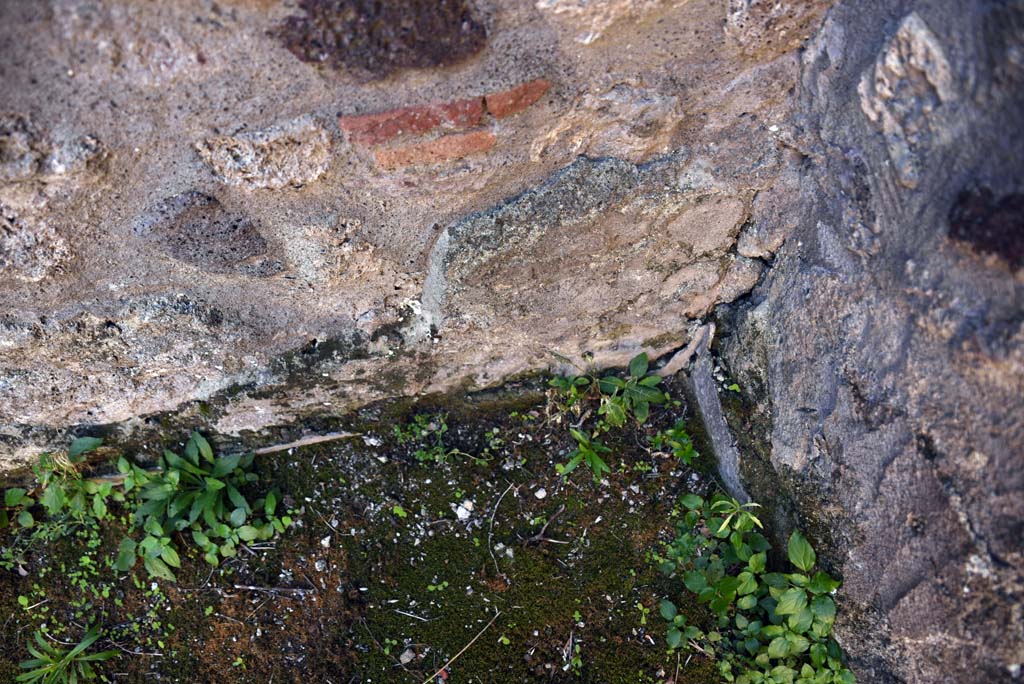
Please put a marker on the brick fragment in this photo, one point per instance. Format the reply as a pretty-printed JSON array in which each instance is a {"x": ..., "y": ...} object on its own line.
[
  {"x": 443, "y": 149},
  {"x": 509, "y": 102},
  {"x": 380, "y": 127}
]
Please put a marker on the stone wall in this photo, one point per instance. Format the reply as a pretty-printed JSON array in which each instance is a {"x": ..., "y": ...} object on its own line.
[
  {"x": 282, "y": 209},
  {"x": 248, "y": 214},
  {"x": 884, "y": 345}
]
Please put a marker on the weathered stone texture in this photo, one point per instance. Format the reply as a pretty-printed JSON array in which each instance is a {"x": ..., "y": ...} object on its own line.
[
  {"x": 283, "y": 210},
  {"x": 886, "y": 338},
  {"x": 295, "y": 154}
]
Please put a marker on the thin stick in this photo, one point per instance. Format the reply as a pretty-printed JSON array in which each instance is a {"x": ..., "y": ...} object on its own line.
[
  {"x": 275, "y": 590},
  {"x": 490, "y": 529},
  {"x": 464, "y": 649},
  {"x": 402, "y": 612},
  {"x": 539, "y": 537},
  {"x": 306, "y": 441}
]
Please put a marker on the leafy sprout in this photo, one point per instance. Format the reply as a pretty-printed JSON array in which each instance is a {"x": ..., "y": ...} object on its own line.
[{"x": 52, "y": 665}]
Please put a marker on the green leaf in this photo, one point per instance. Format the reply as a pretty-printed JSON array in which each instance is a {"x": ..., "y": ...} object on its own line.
[
  {"x": 170, "y": 556},
  {"x": 720, "y": 605},
  {"x": 399, "y": 511},
  {"x": 203, "y": 446},
  {"x": 247, "y": 533},
  {"x": 13, "y": 497},
  {"x": 614, "y": 412},
  {"x": 237, "y": 518},
  {"x": 845, "y": 677},
  {"x": 747, "y": 602},
  {"x": 53, "y": 499},
  {"x": 757, "y": 562},
  {"x": 125, "y": 555},
  {"x": 25, "y": 519},
  {"x": 225, "y": 465},
  {"x": 609, "y": 384},
  {"x": 801, "y": 622},
  {"x": 800, "y": 552},
  {"x": 824, "y": 608},
  {"x": 237, "y": 499},
  {"x": 270, "y": 505},
  {"x": 179, "y": 463},
  {"x": 571, "y": 465},
  {"x": 99, "y": 506},
  {"x": 157, "y": 568},
  {"x": 638, "y": 365},
  {"x": 674, "y": 637},
  {"x": 641, "y": 411},
  {"x": 778, "y": 648},
  {"x": 82, "y": 445},
  {"x": 791, "y": 602},
  {"x": 822, "y": 583},
  {"x": 797, "y": 644},
  {"x": 691, "y": 502},
  {"x": 667, "y": 610},
  {"x": 728, "y": 586},
  {"x": 214, "y": 484},
  {"x": 153, "y": 527},
  {"x": 695, "y": 581},
  {"x": 748, "y": 585},
  {"x": 818, "y": 654}
]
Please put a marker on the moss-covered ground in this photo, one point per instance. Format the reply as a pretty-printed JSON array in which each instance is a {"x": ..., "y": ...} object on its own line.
[{"x": 395, "y": 566}]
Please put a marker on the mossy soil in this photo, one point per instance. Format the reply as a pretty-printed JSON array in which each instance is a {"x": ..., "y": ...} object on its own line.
[{"x": 395, "y": 567}]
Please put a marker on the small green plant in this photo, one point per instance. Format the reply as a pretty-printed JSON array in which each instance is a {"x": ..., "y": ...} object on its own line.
[
  {"x": 568, "y": 393},
  {"x": 644, "y": 612},
  {"x": 771, "y": 627},
  {"x": 632, "y": 395},
  {"x": 428, "y": 433},
  {"x": 617, "y": 398},
  {"x": 677, "y": 441},
  {"x": 588, "y": 450},
  {"x": 52, "y": 665},
  {"x": 199, "y": 493},
  {"x": 70, "y": 504}
]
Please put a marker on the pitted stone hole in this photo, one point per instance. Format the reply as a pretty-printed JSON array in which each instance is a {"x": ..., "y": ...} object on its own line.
[
  {"x": 197, "y": 229},
  {"x": 990, "y": 225},
  {"x": 376, "y": 38}
]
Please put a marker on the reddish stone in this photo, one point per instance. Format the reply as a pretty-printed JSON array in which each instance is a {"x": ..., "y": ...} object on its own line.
[
  {"x": 374, "y": 129},
  {"x": 443, "y": 149},
  {"x": 509, "y": 102}
]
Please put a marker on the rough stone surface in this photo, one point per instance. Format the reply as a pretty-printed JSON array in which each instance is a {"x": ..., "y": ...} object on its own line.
[
  {"x": 249, "y": 213},
  {"x": 377, "y": 38},
  {"x": 295, "y": 154},
  {"x": 885, "y": 343}
]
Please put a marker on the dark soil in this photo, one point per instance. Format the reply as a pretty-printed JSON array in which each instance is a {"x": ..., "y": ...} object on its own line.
[{"x": 396, "y": 566}]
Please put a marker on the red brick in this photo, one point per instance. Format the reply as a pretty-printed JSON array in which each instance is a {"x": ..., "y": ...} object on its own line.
[
  {"x": 509, "y": 102},
  {"x": 443, "y": 149},
  {"x": 374, "y": 129}
]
